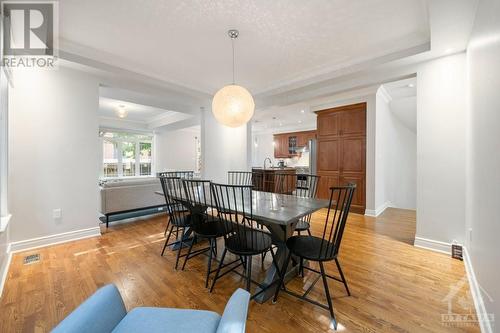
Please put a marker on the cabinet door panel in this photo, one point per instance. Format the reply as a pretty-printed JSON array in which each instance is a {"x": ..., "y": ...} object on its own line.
[
  {"x": 353, "y": 155},
  {"x": 358, "y": 200},
  {"x": 326, "y": 181},
  {"x": 352, "y": 122},
  {"x": 328, "y": 124},
  {"x": 328, "y": 155}
]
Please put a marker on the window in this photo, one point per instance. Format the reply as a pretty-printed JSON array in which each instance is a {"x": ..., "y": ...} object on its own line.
[{"x": 126, "y": 154}]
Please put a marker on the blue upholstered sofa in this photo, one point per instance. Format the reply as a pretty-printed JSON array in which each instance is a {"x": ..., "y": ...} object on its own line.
[{"x": 104, "y": 311}]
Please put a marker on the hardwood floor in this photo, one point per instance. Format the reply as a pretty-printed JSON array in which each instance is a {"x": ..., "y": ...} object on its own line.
[{"x": 395, "y": 287}]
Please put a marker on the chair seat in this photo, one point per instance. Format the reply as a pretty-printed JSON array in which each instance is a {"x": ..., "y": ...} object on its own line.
[
  {"x": 302, "y": 226},
  {"x": 210, "y": 229},
  {"x": 249, "y": 242},
  {"x": 181, "y": 221},
  {"x": 152, "y": 320},
  {"x": 311, "y": 248}
]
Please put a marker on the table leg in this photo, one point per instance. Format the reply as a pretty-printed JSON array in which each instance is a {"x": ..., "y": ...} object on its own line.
[{"x": 280, "y": 234}]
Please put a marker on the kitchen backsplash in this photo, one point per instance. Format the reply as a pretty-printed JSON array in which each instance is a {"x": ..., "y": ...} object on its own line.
[{"x": 302, "y": 161}]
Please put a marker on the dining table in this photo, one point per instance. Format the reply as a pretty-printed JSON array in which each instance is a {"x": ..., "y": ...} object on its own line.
[{"x": 280, "y": 214}]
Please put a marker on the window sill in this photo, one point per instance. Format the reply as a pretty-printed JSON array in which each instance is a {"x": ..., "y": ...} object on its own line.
[{"x": 4, "y": 222}]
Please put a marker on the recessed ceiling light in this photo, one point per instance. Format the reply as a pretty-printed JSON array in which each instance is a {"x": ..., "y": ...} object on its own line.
[
  {"x": 281, "y": 124},
  {"x": 449, "y": 50},
  {"x": 300, "y": 121},
  {"x": 302, "y": 111},
  {"x": 411, "y": 85}
]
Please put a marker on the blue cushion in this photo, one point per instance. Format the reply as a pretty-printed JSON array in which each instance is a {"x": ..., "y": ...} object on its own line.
[
  {"x": 235, "y": 314},
  {"x": 98, "y": 314},
  {"x": 153, "y": 320}
]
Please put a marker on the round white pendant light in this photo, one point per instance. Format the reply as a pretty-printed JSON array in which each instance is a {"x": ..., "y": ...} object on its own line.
[{"x": 233, "y": 105}]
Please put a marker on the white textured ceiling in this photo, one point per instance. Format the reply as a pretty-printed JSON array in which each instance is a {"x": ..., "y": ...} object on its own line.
[
  {"x": 281, "y": 41},
  {"x": 295, "y": 117}
]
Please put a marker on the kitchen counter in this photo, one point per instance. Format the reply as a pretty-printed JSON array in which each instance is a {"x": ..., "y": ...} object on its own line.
[{"x": 266, "y": 182}]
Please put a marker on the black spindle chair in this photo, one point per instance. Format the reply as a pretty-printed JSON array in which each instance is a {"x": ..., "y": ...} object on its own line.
[
  {"x": 324, "y": 248},
  {"x": 173, "y": 174},
  {"x": 244, "y": 237},
  {"x": 180, "y": 174},
  {"x": 300, "y": 185},
  {"x": 245, "y": 178},
  {"x": 179, "y": 219},
  {"x": 239, "y": 178},
  {"x": 203, "y": 223}
]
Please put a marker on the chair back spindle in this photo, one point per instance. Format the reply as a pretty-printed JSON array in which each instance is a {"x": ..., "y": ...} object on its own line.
[{"x": 336, "y": 218}]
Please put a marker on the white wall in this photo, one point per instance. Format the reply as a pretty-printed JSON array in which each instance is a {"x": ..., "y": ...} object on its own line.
[
  {"x": 483, "y": 172},
  {"x": 4, "y": 212},
  {"x": 223, "y": 148},
  {"x": 441, "y": 107},
  {"x": 54, "y": 155},
  {"x": 176, "y": 150},
  {"x": 264, "y": 149},
  {"x": 396, "y": 157}
]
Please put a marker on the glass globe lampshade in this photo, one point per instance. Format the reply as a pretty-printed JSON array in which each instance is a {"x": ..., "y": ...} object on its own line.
[{"x": 233, "y": 106}]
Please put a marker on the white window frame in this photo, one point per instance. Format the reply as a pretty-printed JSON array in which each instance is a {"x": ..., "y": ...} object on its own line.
[{"x": 119, "y": 142}]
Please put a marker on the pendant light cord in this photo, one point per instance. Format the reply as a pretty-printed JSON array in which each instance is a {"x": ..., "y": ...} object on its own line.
[{"x": 232, "y": 44}]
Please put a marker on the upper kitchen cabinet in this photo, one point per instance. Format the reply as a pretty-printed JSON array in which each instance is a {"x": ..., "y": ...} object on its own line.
[
  {"x": 304, "y": 137},
  {"x": 281, "y": 146},
  {"x": 288, "y": 144}
]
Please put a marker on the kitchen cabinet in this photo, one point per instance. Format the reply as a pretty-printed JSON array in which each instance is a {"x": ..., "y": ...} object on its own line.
[
  {"x": 281, "y": 146},
  {"x": 288, "y": 145},
  {"x": 304, "y": 137}
]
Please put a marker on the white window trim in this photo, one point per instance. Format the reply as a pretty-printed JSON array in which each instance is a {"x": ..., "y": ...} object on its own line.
[{"x": 118, "y": 142}]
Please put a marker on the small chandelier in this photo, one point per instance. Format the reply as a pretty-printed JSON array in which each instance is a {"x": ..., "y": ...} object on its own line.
[
  {"x": 121, "y": 112},
  {"x": 233, "y": 105}
]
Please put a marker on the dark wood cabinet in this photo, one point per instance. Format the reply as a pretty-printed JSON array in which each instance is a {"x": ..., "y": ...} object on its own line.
[
  {"x": 288, "y": 144},
  {"x": 281, "y": 146},
  {"x": 342, "y": 151}
]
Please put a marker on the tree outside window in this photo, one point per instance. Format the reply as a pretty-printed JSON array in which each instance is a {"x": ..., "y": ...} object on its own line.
[{"x": 127, "y": 154}]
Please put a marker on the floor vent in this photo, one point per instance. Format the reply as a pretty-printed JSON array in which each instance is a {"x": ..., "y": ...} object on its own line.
[{"x": 31, "y": 259}]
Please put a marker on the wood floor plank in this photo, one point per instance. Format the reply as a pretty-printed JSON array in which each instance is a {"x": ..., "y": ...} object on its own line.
[{"x": 395, "y": 287}]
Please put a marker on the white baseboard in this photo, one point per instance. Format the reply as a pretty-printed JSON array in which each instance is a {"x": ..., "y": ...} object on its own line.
[
  {"x": 379, "y": 210},
  {"x": 477, "y": 296},
  {"x": 4, "y": 270},
  {"x": 433, "y": 245},
  {"x": 34, "y": 243}
]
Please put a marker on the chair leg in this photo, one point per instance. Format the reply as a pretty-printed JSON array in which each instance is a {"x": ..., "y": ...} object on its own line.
[
  {"x": 107, "y": 221},
  {"x": 189, "y": 252},
  {"x": 342, "y": 276},
  {"x": 301, "y": 267},
  {"x": 181, "y": 241},
  {"x": 282, "y": 279},
  {"x": 309, "y": 231},
  {"x": 166, "y": 228},
  {"x": 212, "y": 244},
  {"x": 327, "y": 294},
  {"x": 249, "y": 272},
  {"x": 218, "y": 270},
  {"x": 166, "y": 241}
]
